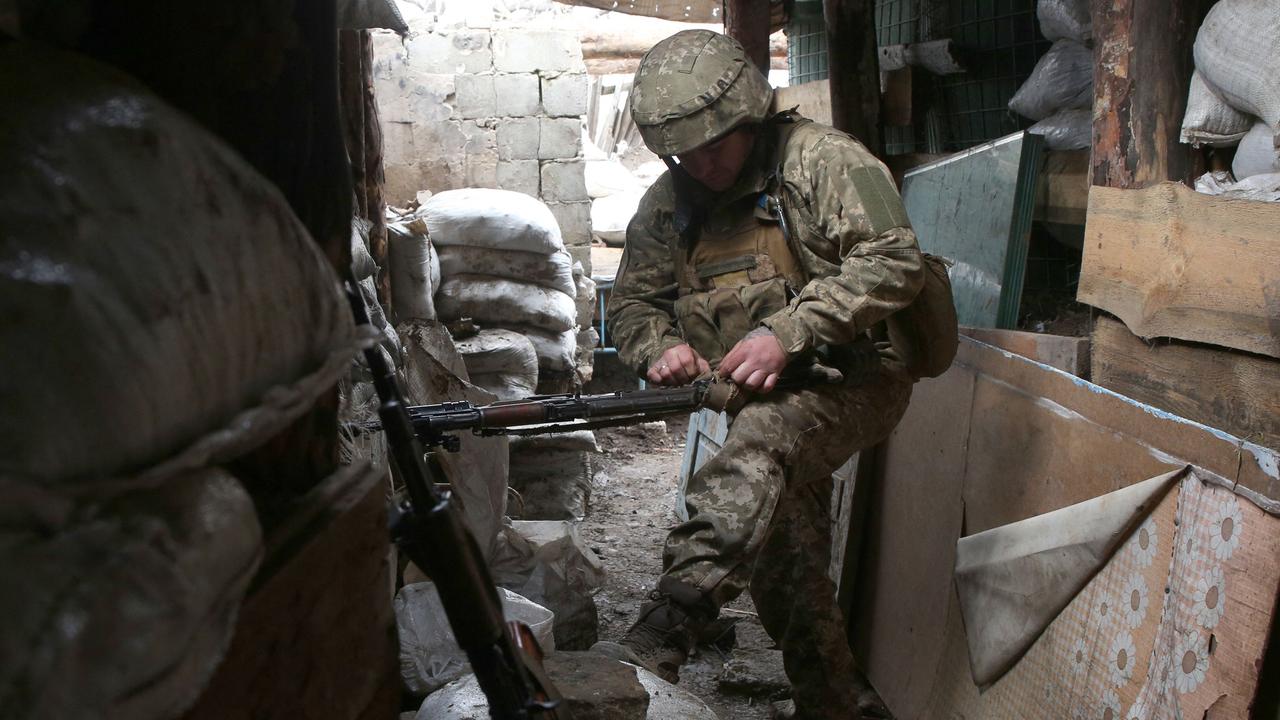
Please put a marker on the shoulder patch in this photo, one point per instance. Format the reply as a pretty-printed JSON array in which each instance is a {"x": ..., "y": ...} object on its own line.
[{"x": 879, "y": 200}]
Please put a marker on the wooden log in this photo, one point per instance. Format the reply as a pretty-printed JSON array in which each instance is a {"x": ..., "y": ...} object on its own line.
[
  {"x": 747, "y": 21},
  {"x": 1171, "y": 262},
  {"x": 1232, "y": 391},
  {"x": 1069, "y": 354},
  {"x": 1142, "y": 69},
  {"x": 853, "y": 69}
]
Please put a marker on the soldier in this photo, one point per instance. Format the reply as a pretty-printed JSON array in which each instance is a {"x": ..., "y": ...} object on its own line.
[{"x": 772, "y": 247}]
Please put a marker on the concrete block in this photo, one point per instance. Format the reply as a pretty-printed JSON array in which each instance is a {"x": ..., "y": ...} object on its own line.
[
  {"x": 478, "y": 136},
  {"x": 414, "y": 97},
  {"x": 518, "y": 94},
  {"x": 565, "y": 95},
  {"x": 575, "y": 223},
  {"x": 519, "y": 50},
  {"x": 388, "y": 54},
  {"x": 519, "y": 176},
  {"x": 582, "y": 254},
  {"x": 482, "y": 170},
  {"x": 474, "y": 96},
  {"x": 518, "y": 139},
  {"x": 559, "y": 139},
  {"x": 460, "y": 51},
  {"x": 565, "y": 181}
]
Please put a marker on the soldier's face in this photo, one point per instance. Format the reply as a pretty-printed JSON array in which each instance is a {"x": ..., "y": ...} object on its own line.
[{"x": 717, "y": 164}]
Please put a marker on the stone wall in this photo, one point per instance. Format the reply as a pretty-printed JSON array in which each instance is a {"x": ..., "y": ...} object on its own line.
[{"x": 482, "y": 105}]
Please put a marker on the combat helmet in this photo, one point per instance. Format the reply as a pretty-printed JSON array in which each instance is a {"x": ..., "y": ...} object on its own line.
[{"x": 694, "y": 87}]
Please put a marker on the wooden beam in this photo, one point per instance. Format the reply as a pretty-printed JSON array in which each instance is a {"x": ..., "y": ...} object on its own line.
[
  {"x": 1224, "y": 389},
  {"x": 1069, "y": 354},
  {"x": 747, "y": 21},
  {"x": 1173, "y": 263},
  {"x": 854, "y": 69},
  {"x": 1142, "y": 69}
]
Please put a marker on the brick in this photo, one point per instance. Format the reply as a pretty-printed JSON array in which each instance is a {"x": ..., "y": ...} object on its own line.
[
  {"x": 518, "y": 139},
  {"x": 518, "y": 94},
  {"x": 535, "y": 50},
  {"x": 474, "y": 96},
  {"x": 461, "y": 51},
  {"x": 575, "y": 223},
  {"x": 520, "y": 176},
  {"x": 559, "y": 138},
  {"x": 565, "y": 95},
  {"x": 565, "y": 182}
]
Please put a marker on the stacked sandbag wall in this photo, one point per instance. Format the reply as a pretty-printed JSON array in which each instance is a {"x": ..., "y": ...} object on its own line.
[{"x": 1059, "y": 93}]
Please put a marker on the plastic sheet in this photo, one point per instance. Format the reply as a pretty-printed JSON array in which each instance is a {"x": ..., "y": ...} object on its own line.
[
  {"x": 500, "y": 219},
  {"x": 1259, "y": 188},
  {"x": 1066, "y": 130},
  {"x": 550, "y": 271},
  {"x": 1065, "y": 19},
  {"x": 548, "y": 563},
  {"x": 1238, "y": 52},
  {"x": 1061, "y": 80},
  {"x": 497, "y": 301}
]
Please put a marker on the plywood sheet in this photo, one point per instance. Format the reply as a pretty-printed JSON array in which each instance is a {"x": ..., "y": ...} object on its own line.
[
  {"x": 1171, "y": 262},
  {"x": 1234, "y": 391},
  {"x": 1069, "y": 354}
]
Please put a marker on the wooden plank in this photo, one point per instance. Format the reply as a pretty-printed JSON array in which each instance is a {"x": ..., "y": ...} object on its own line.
[
  {"x": 812, "y": 98},
  {"x": 1142, "y": 67},
  {"x": 1063, "y": 196},
  {"x": 1233, "y": 391},
  {"x": 1068, "y": 354},
  {"x": 854, "y": 69},
  {"x": 748, "y": 22},
  {"x": 1171, "y": 262}
]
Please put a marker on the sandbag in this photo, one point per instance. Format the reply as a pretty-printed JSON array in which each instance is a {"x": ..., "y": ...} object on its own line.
[
  {"x": 578, "y": 440},
  {"x": 549, "y": 564},
  {"x": 496, "y": 301},
  {"x": 429, "y": 654},
  {"x": 499, "y": 351},
  {"x": 161, "y": 300},
  {"x": 362, "y": 263},
  {"x": 507, "y": 386},
  {"x": 123, "y": 608},
  {"x": 415, "y": 272},
  {"x": 1064, "y": 19},
  {"x": 554, "y": 483},
  {"x": 554, "y": 351},
  {"x": 610, "y": 216},
  {"x": 1066, "y": 129},
  {"x": 1238, "y": 51},
  {"x": 550, "y": 271},
  {"x": 1209, "y": 120},
  {"x": 483, "y": 217},
  {"x": 1257, "y": 153},
  {"x": 605, "y": 177},
  {"x": 387, "y": 336},
  {"x": 1061, "y": 80}
]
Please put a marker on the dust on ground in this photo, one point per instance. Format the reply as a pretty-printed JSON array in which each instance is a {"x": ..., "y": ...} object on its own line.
[{"x": 632, "y": 507}]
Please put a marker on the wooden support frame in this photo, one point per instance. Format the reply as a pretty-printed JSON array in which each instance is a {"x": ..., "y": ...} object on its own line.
[{"x": 853, "y": 69}]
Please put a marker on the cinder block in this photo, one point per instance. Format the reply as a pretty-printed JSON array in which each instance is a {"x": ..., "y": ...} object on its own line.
[
  {"x": 460, "y": 51},
  {"x": 574, "y": 219},
  {"x": 414, "y": 97},
  {"x": 518, "y": 94},
  {"x": 474, "y": 96},
  {"x": 518, "y": 139},
  {"x": 479, "y": 136},
  {"x": 565, "y": 182},
  {"x": 560, "y": 138},
  {"x": 517, "y": 50},
  {"x": 565, "y": 95},
  {"x": 388, "y": 54},
  {"x": 519, "y": 176},
  {"x": 482, "y": 170},
  {"x": 581, "y": 253}
]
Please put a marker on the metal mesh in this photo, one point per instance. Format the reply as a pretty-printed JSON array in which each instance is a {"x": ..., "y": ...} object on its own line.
[{"x": 806, "y": 49}]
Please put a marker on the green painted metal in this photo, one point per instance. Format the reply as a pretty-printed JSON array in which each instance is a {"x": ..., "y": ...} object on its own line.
[{"x": 975, "y": 208}]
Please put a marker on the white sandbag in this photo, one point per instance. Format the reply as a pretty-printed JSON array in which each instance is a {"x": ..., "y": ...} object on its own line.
[
  {"x": 1064, "y": 19},
  {"x": 1238, "y": 52},
  {"x": 1209, "y": 120},
  {"x": 611, "y": 215},
  {"x": 1259, "y": 188},
  {"x": 550, "y": 271},
  {"x": 362, "y": 263},
  {"x": 507, "y": 386},
  {"x": 414, "y": 270},
  {"x": 579, "y": 440},
  {"x": 554, "y": 351},
  {"x": 1066, "y": 129},
  {"x": 1257, "y": 153},
  {"x": 609, "y": 177},
  {"x": 429, "y": 654},
  {"x": 498, "y": 351},
  {"x": 162, "y": 302},
  {"x": 483, "y": 217},
  {"x": 387, "y": 336},
  {"x": 497, "y": 301},
  {"x": 549, "y": 563},
  {"x": 1062, "y": 80},
  {"x": 124, "y": 609}
]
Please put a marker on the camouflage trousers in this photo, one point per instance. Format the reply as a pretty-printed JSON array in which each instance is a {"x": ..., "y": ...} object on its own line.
[{"x": 760, "y": 519}]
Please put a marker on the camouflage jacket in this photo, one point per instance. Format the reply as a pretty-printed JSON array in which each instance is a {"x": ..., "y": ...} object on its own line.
[{"x": 849, "y": 231}]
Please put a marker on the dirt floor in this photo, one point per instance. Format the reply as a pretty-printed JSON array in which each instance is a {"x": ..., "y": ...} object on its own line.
[{"x": 632, "y": 506}]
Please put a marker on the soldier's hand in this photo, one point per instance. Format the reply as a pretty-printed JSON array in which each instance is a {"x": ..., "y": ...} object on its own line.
[
  {"x": 679, "y": 365},
  {"x": 755, "y": 362}
]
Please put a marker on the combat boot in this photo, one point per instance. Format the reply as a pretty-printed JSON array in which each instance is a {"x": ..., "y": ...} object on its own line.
[{"x": 661, "y": 639}]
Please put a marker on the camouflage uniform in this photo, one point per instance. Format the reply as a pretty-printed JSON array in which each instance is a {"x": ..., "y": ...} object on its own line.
[{"x": 759, "y": 509}]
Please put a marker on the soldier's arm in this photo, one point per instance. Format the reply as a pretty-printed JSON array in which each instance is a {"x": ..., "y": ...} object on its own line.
[
  {"x": 641, "y": 308},
  {"x": 857, "y": 210}
]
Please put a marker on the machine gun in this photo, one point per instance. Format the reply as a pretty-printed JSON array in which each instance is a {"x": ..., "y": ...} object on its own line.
[{"x": 428, "y": 528}]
